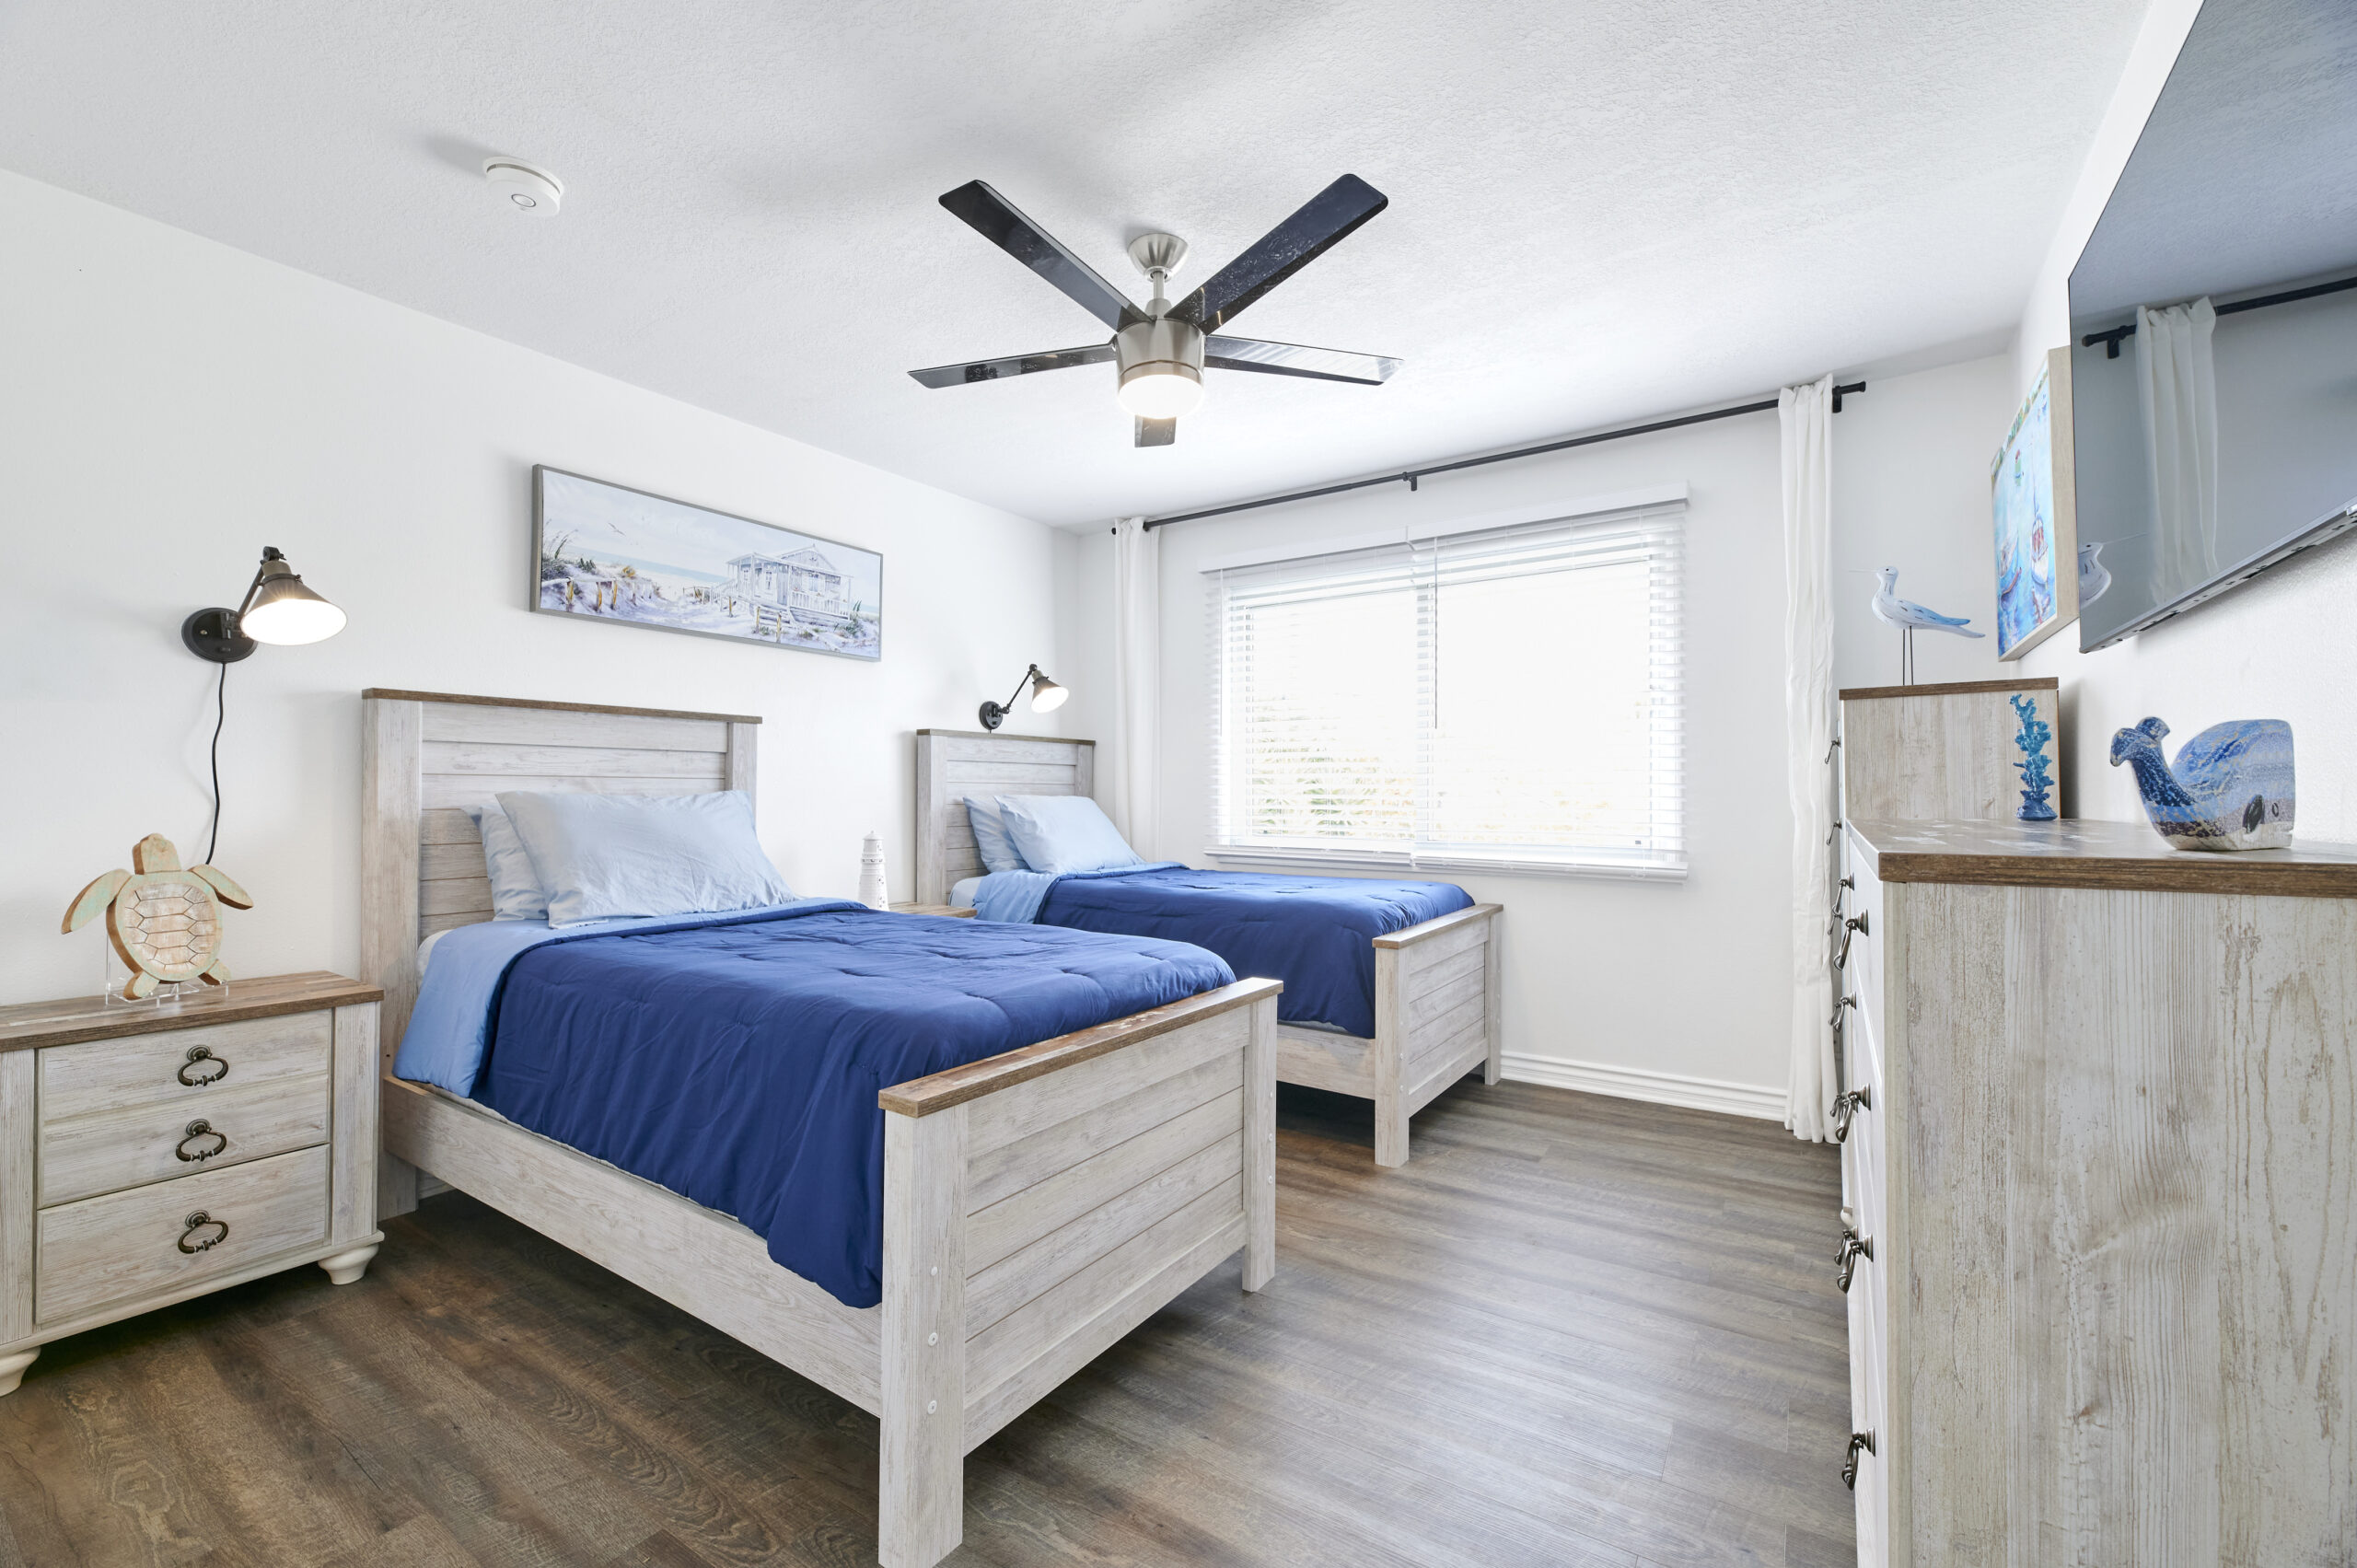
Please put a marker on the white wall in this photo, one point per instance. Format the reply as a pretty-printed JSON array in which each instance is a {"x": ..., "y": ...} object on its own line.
[
  {"x": 2279, "y": 647},
  {"x": 1910, "y": 490},
  {"x": 170, "y": 406}
]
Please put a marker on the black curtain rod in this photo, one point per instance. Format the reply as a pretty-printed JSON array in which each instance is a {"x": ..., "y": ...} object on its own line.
[
  {"x": 1412, "y": 476},
  {"x": 2110, "y": 340}
]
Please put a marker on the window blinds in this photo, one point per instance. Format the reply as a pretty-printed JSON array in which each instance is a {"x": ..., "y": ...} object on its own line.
[{"x": 1505, "y": 699}]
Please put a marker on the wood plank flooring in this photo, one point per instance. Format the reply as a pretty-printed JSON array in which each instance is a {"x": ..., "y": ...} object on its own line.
[{"x": 1573, "y": 1331}]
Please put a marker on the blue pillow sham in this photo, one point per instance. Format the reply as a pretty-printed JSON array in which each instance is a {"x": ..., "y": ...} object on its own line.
[
  {"x": 990, "y": 839},
  {"x": 515, "y": 893},
  {"x": 1063, "y": 833},
  {"x": 603, "y": 856}
]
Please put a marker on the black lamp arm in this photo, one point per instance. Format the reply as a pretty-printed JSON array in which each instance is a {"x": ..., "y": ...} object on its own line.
[{"x": 1028, "y": 675}]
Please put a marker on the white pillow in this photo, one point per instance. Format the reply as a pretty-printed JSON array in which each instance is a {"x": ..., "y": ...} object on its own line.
[
  {"x": 1063, "y": 833},
  {"x": 515, "y": 893},
  {"x": 601, "y": 856}
]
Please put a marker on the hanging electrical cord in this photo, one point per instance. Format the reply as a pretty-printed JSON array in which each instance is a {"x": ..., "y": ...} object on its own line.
[{"x": 220, "y": 713}]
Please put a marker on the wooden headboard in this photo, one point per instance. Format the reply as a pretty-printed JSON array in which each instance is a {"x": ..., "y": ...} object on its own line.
[
  {"x": 955, "y": 763},
  {"x": 427, "y": 755}
]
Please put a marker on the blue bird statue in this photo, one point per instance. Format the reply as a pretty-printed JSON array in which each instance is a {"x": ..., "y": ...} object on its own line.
[
  {"x": 1909, "y": 617},
  {"x": 2229, "y": 788}
]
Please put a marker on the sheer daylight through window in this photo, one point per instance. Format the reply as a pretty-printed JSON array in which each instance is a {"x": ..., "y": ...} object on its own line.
[{"x": 1507, "y": 698}]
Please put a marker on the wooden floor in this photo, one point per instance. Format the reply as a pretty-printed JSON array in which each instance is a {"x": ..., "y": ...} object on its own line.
[{"x": 1574, "y": 1331}]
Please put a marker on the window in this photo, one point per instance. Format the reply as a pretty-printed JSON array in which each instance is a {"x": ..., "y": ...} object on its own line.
[{"x": 1507, "y": 698}]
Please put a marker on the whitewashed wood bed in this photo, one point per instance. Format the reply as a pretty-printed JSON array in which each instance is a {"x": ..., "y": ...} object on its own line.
[
  {"x": 1038, "y": 1205},
  {"x": 1436, "y": 984}
]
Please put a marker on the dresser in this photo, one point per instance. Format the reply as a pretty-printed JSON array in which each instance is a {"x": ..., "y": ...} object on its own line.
[
  {"x": 2100, "y": 1144},
  {"x": 151, "y": 1153},
  {"x": 1943, "y": 750}
]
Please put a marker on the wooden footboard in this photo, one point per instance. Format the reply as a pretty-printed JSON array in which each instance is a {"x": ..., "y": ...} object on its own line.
[
  {"x": 1435, "y": 1020},
  {"x": 1038, "y": 1206}
]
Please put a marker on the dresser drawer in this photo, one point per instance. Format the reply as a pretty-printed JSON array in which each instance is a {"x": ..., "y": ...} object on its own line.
[
  {"x": 115, "y": 1074},
  {"x": 108, "y": 1150},
  {"x": 103, "y": 1250}
]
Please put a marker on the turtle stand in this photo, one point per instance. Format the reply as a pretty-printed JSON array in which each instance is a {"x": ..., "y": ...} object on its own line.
[{"x": 114, "y": 974}]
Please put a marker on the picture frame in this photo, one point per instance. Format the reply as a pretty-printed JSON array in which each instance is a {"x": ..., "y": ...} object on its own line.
[
  {"x": 2033, "y": 516},
  {"x": 610, "y": 552}
]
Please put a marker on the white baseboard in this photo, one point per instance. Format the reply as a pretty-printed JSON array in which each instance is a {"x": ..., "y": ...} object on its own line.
[{"x": 1636, "y": 1082}]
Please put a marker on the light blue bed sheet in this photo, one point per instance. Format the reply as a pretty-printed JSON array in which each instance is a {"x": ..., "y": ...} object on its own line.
[
  {"x": 448, "y": 1027},
  {"x": 1016, "y": 895}
]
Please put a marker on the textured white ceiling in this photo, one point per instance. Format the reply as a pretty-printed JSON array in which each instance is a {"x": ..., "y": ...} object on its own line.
[{"x": 1600, "y": 209}]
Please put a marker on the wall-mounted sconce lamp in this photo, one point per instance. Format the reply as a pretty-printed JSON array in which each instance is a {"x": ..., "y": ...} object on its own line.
[
  {"x": 277, "y": 609},
  {"x": 1046, "y": 698}
]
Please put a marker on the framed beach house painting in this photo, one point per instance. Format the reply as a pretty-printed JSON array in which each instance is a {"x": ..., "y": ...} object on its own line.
[
  {"x": 608, "y": 552},
  {"x": 2031, "y": 501}
]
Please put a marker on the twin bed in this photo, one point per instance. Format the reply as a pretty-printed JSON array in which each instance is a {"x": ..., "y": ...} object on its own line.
[
  {"x": 1016, "y": 1212},
  {"x": 1391, "y": 994}
]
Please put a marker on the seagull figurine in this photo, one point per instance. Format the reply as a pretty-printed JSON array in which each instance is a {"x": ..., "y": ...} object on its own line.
[
  {"x": 2094, "y": 575},
  {"x": 1909, "y": 617}
]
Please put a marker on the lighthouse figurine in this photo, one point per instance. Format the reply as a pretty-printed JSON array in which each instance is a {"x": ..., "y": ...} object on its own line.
[{"x": 871, "y": 872}]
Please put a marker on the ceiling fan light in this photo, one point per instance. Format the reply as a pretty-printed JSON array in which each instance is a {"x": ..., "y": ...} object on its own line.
[{"x": 1165, "y": 389}]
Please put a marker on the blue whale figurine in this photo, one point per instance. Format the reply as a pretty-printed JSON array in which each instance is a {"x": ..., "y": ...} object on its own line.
[{"x": 2229, "y": 788}]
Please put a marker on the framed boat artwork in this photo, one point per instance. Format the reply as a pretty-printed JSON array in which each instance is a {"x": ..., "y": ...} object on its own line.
[
  {"x": 605, "y": 551},
  {"x": 2031, "y": 505}
]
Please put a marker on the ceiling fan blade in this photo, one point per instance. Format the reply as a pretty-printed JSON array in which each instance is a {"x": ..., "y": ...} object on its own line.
[
  {"x": 1157, "y": 432},
  {"x": 996, "y": 219},
  {"x": 1014, "y": 364},
  {"x": 1322, "y": 223},
  {"x": 1293, "y": 359}
]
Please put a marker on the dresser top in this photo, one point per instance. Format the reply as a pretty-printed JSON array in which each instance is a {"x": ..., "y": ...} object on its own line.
[
  {"x": 29, "y": 1024},
  {"x": 1953, "y": 689},
  {"x": 2082, "y": 853}
]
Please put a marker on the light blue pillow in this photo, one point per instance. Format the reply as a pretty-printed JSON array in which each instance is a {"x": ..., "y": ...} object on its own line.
[
  {"x": 600, "y": 857},
  {"x": 515, "y": 893},
  {"x": 1063, "y": 833},
  {"x": 997, "y": 849}
]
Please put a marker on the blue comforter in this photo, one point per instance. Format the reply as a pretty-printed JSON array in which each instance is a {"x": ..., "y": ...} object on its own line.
[
  {"x": 1313, "y": 932},
  {"x": 736, "y": 1059}
]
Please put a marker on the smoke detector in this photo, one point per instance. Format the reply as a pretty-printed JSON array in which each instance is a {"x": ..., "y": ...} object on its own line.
[{"x": 527, "y": 190}]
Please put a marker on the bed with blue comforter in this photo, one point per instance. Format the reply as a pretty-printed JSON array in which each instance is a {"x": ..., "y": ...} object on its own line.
[
  {"x": 1316, "y": 933},
  {"x": 736, "y": 1059}
]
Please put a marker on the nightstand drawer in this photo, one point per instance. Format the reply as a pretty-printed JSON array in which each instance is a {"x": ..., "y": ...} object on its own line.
[
  {"x": 112, "y": 1075},
  {"x": 107, "y": 1151},
  {"x": 140, "y": 1243}
]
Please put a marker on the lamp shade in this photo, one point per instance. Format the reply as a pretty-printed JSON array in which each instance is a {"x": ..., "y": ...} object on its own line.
[
  {"x": 1046, "y": 695},
  {"x": 279, "y": 608}
]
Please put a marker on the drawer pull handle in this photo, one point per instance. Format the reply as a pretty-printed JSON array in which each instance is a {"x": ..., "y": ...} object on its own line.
[
  {"x": 197, "y": 1129},
  {"x": 1859, "y": 1443},
  {"x": 1854, "y": 1246},
  {"x": 203, "y": 1221},
  {"x": 198, "y": 1054},
  {"x": 1846, "y": 1109},
  {"x": 1847, "y": 1002}
]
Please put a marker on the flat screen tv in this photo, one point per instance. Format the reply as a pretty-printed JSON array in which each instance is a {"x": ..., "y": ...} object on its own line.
[{"x": 2213, "y": 322}]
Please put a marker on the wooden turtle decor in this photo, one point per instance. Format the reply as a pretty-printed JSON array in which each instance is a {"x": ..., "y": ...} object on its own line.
[{"x": 166, "y": 921}]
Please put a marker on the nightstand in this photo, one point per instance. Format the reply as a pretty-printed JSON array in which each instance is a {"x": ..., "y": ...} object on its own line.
[
  {"x": 953, "y": 911},
  {"x": 150, "y": 1154}
]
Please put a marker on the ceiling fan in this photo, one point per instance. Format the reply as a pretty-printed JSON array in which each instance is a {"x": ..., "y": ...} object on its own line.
[{"x": 1162, "y": 346}]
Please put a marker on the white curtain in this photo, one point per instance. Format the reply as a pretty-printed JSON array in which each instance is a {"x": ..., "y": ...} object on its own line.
[
  {"x": 1137, "y": 681},
  {"x": 2177, "y": 380},
  {"x": 1806, "y": 416}
]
